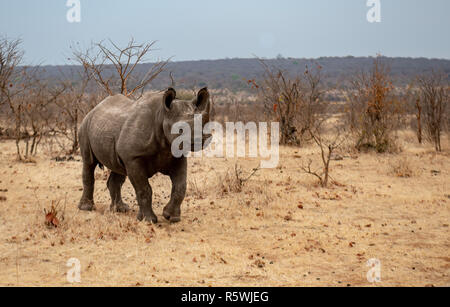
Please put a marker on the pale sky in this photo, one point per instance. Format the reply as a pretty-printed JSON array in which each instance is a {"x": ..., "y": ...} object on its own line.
[{"x": 212, "y": 29}]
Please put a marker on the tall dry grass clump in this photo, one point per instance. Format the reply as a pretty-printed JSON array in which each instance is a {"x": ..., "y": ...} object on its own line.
[{"x": 402, "y": 168}]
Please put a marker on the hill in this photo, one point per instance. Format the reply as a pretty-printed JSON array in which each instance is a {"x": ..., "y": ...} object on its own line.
[{"x": 232, "y": 73}]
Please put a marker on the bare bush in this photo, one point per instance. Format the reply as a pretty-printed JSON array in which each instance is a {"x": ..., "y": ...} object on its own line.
[
  {"x": 234, "y": 180},
  {"x": 328, "y": 144},
  {"x": 10, "y": 57},
  {"x": 35, "y": 114},
  {"x": 434, "y": 99},
  {"x": 113, "y": 67},
  {"x": 27, "y": 97},
  {"x": 295, "y": 101},
  {"x": 72, "y": 105}
]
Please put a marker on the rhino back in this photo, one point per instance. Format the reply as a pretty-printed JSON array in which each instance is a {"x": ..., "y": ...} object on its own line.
[
  {"x": 102, "y": 128},
  {"x": 142, "y": 133}
]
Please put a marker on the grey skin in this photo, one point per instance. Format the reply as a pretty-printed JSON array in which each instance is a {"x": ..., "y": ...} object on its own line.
[{"x": 133, "y": 138}]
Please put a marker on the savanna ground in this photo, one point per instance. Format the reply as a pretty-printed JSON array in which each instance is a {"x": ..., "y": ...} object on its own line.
[{"x": 282, "y": 229}]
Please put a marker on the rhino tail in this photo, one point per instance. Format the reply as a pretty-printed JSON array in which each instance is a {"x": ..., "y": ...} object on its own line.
[{"x": 85, "y": 146}]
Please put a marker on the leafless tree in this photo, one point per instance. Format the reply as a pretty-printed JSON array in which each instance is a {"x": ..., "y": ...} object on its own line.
[
  {"x": 28, "y": 98},
  {"x": 36, "y": 103},
  {"x": 30, "y": 104},
  {"x": 10, "y": 58},
  {"x": 12, "y": 81},
  {"x": 434, "y": 99},
  {"x": 114, "y": 67},
  {"x": 72, "y": 105}
]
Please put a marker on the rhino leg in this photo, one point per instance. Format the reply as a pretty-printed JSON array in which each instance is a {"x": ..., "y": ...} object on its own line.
[
  {"x": 139, "y": 179},
  {"x": 172, "y": 212},
  {"x": 114, "y": 184},
  {"x": 87, "y": 199}
]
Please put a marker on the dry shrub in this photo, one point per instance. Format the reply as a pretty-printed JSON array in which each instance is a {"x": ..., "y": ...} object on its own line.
[
  {"x": 53, "y": 217},
  {"x": 196, "y": 191},
  {"x": 328, "y": 146},
  {"x": 233, "y": 180},
  {"x": 434, "y": 98},
  {"x": 229, "y": 183},
  {"x": 295, "y": 101},
  {"x": 374, "y": 109},
  {"x": 402, "y": 168}
]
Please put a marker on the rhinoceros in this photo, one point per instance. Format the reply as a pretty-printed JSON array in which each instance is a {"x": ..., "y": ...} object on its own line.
[{"x": 133, "y": 139}]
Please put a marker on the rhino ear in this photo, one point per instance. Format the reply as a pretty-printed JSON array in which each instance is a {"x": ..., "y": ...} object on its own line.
[
  {"x": 202, "y": 98},
  {"x": 169, "y": 96}
]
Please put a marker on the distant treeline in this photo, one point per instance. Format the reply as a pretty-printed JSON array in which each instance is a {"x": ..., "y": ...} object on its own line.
[{"x": 233, "y": 74}]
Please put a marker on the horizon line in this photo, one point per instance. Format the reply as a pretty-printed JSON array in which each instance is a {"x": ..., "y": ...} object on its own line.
[{"x": 271, "y": 58}]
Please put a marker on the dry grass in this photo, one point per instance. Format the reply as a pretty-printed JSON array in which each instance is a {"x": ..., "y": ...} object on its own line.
[
  {"x": 234, "y": 179},
  {"x": 402, "y": 167},
  {"x": 280, "y": 229}
]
